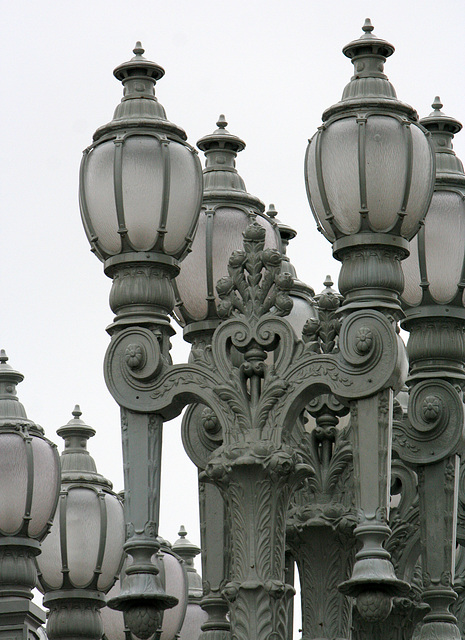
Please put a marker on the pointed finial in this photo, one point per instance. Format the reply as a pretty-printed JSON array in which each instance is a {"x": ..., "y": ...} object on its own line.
[
  {"x": 138, "y": 49},
  {"x": 437, "y": 104},
  {"x": 77, "y": 413},
  {"x": 271, "y": 213},
  {"x": 182, "y": 533},
  {"x": 77, "y": 464},
  {"x": 328, "y": 298},
  {"x": 438, "y": 123},
  {"x": 221, "y": 124},
  {"x": 367, "y": 27},
  {"x": 3, "y": 356},
  {"x": 328, "y": 283}
]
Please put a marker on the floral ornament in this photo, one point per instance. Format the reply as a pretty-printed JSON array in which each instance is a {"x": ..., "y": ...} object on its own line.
[
  {"x": 134, "y": 356},
  {"x": 364, "y": 340},
  {"x": 431, "y": 408},
  {"x": 210, "y": 421},
  {"x": 230, "y": 591},
  {"x": 237, "y": 259},
  {"x": 275, "y": 588},
  {"x": 272, "y": 258}
]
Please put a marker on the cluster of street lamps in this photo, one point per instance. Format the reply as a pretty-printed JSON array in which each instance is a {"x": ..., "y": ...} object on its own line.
[{"x": 297, "y": 416}]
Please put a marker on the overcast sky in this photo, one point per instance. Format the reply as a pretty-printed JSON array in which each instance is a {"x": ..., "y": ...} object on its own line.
[{"x": 271, "y": 67}]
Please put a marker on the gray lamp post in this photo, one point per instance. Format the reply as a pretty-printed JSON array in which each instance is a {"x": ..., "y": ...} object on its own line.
[
  {"x": 29, "y": 487},
  {"x": 370, "y": 172},
  {"x": 227, "y": 209},
  {"x": 140, "y": 193},
  {"x": 432, "y": 437},
  {"x": 321, "y": 520},
  {"x": 83, "y": 554},
  {"x": 369, "y": 206}
]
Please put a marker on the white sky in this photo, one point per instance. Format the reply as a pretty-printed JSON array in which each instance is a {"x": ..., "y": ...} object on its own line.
[{"x": 270, "y": 66}]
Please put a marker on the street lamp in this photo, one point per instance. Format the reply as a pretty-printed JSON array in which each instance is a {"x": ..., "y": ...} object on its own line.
[
  {"x": 82, "y": 556},
  {"x": 140, "y": 194},
  {"x": 432, "y": 437},
  {"x": 227, "y": 208},
  {"x": 273, "y": 368},
  {"x": 369, "y": 176},
  {"x": 30, "y": 483}
]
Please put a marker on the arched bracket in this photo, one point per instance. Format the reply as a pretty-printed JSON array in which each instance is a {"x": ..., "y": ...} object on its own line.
[
  {"x": 370, "y": 357},
  {"x": 434, "y": 428}
]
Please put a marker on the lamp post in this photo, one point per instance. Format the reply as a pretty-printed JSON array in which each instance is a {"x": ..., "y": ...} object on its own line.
[
  {"x": 82, "y": 556},
  {"x": 369, "y": 175},
  {"x": 140, "y": 193},
  {"x": 432, "y": 437},
  {"x": 369, "y": 206},
  {"x": 227, "y": 209},
  {"x": 29, "y": 482}
]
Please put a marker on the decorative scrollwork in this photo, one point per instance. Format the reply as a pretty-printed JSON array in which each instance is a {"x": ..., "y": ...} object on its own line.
[
  {"x": 434, "y": 428},
  {"x": 201, "y": 433},
  {"x": 133, "y": 360},
  {"x": 364, "y": 335}
]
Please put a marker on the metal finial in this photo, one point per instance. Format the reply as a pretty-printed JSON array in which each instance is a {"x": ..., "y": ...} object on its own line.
[
  {"x": 138, "y": 49},
  {"x": 271, "y": 213},
  {"x": 328, "y": 283},
  {"x": 182, "y": 533},
  {"x": 221, "y": 124},
  {"x": 367, "y": 27},
  {"x": 437, "y": 104},
  {"x": 3, "y": 357},
  {"x": 77, "y": 413}
]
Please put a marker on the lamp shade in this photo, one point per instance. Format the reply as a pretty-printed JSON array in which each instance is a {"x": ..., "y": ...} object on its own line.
[
  {"x": 227, "y": 209},
  {"x": 29, "y": 466},
  {"x": 85, "y": 547},
  {"x": 370, "y": 167},
  {"x": 140, "y": 182},
  {"x": 435, "y": 270}
]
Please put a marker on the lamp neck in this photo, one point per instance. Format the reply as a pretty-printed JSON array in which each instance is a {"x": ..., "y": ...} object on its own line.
[
  {"x": 371, "y": 274},
  {"x": 436, "y": 346},
  {"x": 142, "y": 292}
]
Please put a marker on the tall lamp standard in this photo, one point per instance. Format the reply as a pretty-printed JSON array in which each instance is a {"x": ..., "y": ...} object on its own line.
[
  {"x": 369, "y": 175},
  {"x": 140, "y": 194},
  {"x": 227, "y": 209},
  {"x": 30, "y": 484},
  {"x": 369, "y": 207},
  {"x": 432, "y": 437}
]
